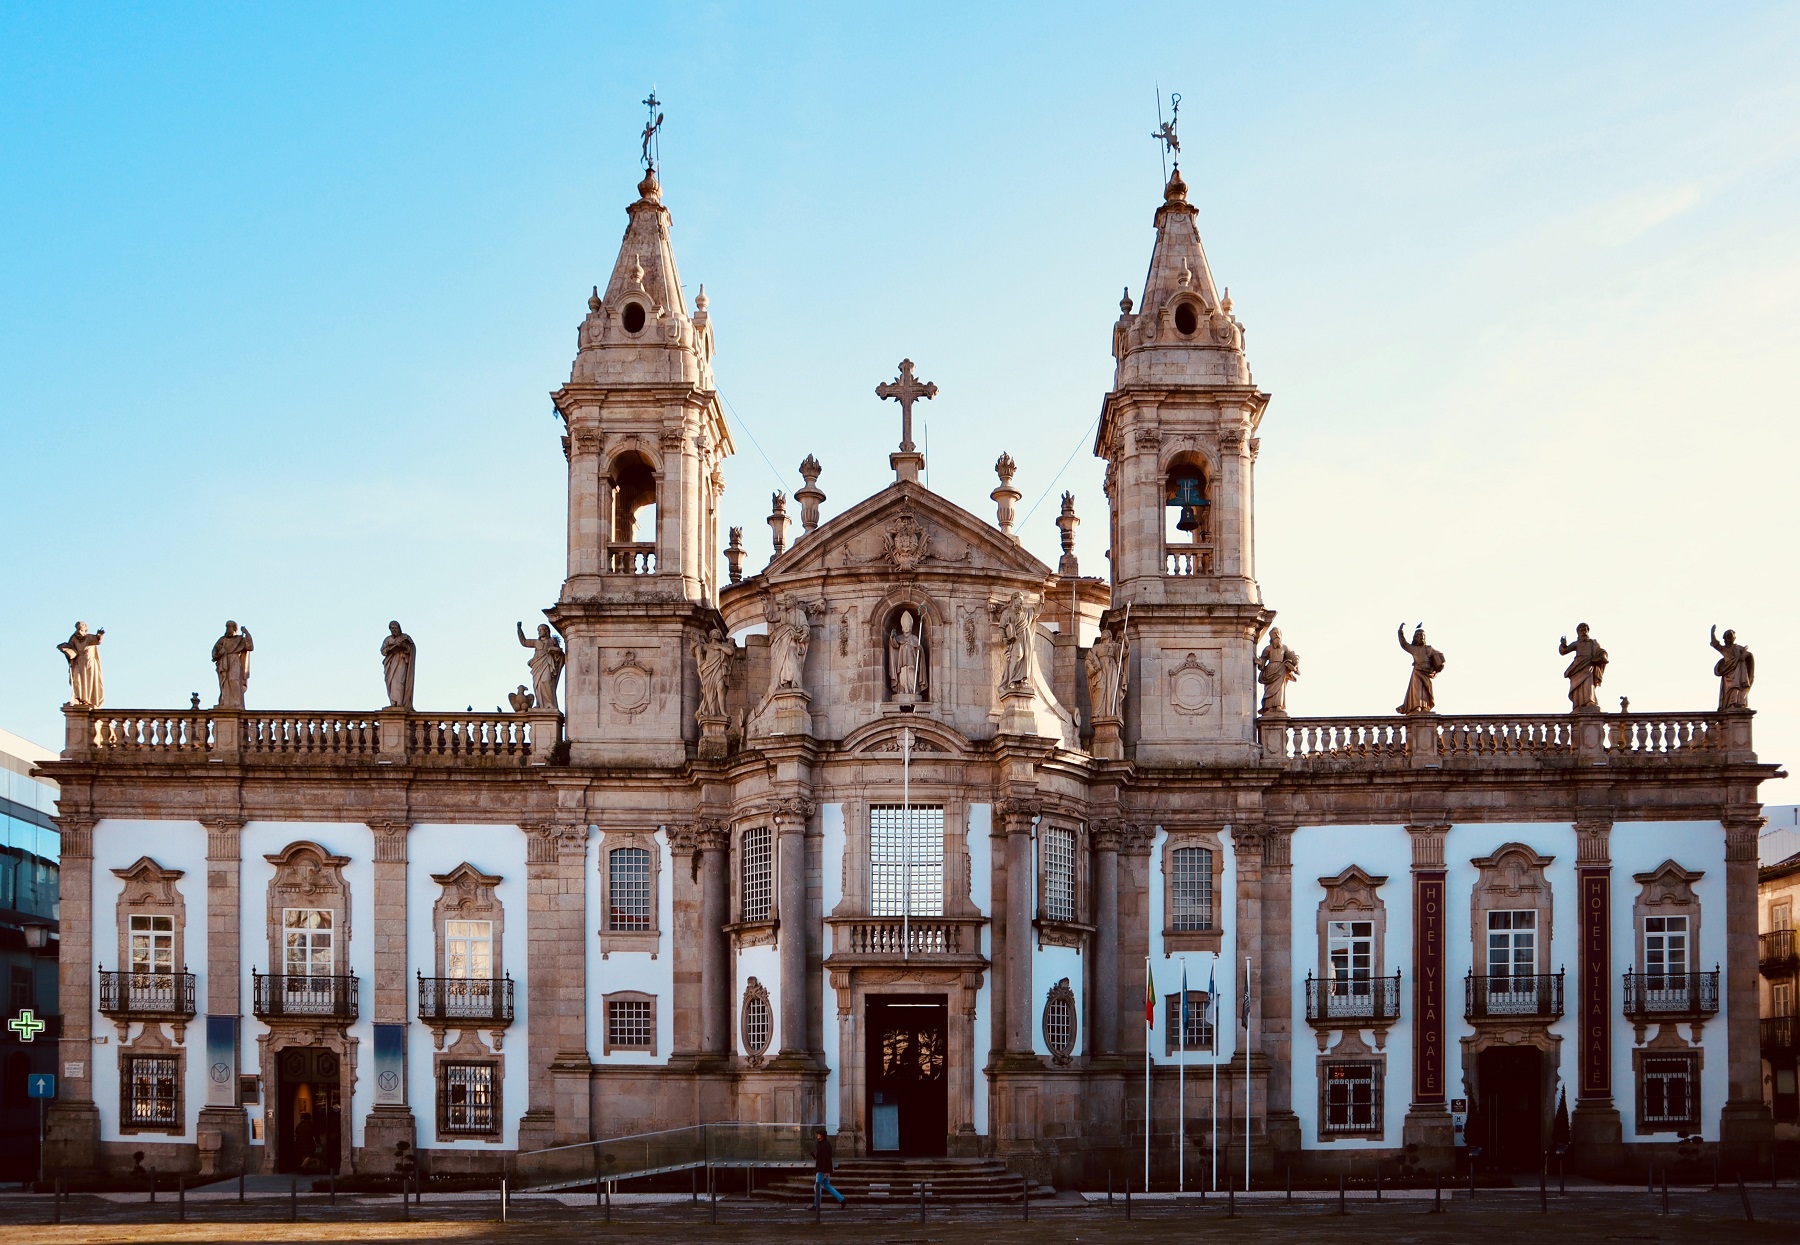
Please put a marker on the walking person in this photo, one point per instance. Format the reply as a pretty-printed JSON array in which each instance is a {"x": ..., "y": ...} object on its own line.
[{"x": 822, "y": 1169}]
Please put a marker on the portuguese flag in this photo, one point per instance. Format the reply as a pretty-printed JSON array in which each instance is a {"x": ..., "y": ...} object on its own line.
[{"x": 1149, "y": 996}]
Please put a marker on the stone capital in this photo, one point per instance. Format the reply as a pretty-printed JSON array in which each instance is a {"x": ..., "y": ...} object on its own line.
[
  {"x": 390, "y": 840},
  {"x": 793, "y": 812},
  {"x": 1135, "y": 839},
  {"x": 1108, "y": 834},
  {"x": 548, "y": 842},
  {"x": 1014, "y": 814},
  {"x": 77, "y": 835},
  {"x": 224, "y": 834},
  {"x": 1428, "y": 847},
  {"x": 1593, "y": 842},
  {"x": 1740, "y": 838}
]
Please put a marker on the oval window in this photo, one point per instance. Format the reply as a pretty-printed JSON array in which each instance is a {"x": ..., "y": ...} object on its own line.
[
  {"x": 634, "y": 319},
  {"x": 1185, "y": 323}
]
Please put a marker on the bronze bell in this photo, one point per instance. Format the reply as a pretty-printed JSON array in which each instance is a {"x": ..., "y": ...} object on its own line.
[
  {"x": 1185, "y": 493},
  {"x": 1189, "y": 520}
]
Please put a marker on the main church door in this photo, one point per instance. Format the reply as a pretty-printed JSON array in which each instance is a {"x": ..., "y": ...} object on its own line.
[{"x": 908, "y": 1036}]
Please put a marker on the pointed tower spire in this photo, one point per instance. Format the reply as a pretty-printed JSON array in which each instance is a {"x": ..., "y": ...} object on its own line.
[{"x": 1180, "y": 307}]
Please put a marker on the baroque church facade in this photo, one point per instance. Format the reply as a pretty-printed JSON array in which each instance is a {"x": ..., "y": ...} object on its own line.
[{"x": 884, "y": 836}]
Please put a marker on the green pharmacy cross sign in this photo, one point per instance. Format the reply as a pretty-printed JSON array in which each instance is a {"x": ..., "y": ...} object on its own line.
[{"x": 26, "y": 1025}]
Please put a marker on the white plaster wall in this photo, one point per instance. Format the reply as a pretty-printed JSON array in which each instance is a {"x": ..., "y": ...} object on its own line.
[
  {"x": 1166, "y": 968},
  {"x": 831, "y": 894},
  {"x": 651, "y": 972},
  {"x": 497, "y": 850},
  {"x": 764, "y": 964},
  {"x": 981, "y": 894},
  {"x": 118, "y": 844},
  {"x": 264, "y": 838}
]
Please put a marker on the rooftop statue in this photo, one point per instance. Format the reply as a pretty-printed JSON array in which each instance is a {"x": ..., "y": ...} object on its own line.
[
  {"x": 87, "y": 689},
  {"x": 231, "y": 658},
  {"x": 1736, "y": 669},
  {"x": 547, "y": 659},
  {"x": 1586, "y": 671},
  {"x": 1278, "y": 666},
  {"x": 398, "y": 654},
  {"x": 1427, "y": 662}
]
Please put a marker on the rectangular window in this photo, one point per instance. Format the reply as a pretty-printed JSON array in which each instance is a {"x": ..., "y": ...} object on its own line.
[
  {"x": 466, "y": 1099},
  {"x": 1199, "y": 1034},
  {"x": 1781, "y": 915},
  {"x": 152, "y": 944},
  {"x": 1512, "y": 944},
  {"x": 906, "y": 860},
  {"x": 1351, "y": 947},
  {"x": 21, "y": 988},
  {"x": 307, "y": 942},
  {"x": 630, "y": 1024},
  {"x": 1781, "y": 998},
  {"x": 1666, "y": 951},
  {"x": 469, "y": 950},
  {"x": 1352, "y": 1099},
  {"x": 151, "y": 1092},
  {"x": 757, "y": 874},
  {"x": 1191, "y": 887},
  {"x": 1668, "y": 1087},
  {"x": 629, "y": 884},
  {"x": 1059, "y": 874}
]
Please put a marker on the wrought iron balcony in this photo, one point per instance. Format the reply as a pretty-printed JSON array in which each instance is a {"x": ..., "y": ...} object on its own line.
[
  {"x": 483, "y": 1001},
  {"x": 147, "y": 996},
  {"x": 1349, "y": 1002},
  {"x": 1777, "y": 1034},
  {"x": 304, "y": 996},
  {"x": 1778, "y": 953},
  {"x": 1671, "y": 996},
  {"x": 1536, "y": 997}
]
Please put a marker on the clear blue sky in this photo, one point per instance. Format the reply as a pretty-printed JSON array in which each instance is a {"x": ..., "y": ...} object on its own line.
[{"x": 282, "y": 294}]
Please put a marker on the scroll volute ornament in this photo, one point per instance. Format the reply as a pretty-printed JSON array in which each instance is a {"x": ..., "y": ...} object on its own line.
[{"x": 793, "y": 810}]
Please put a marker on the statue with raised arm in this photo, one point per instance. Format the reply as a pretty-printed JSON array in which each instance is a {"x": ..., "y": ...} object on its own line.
[
  {"x": 1427, "y": 662},
  {"x": 1278, "y": 666},
  {"x": 231, "y": 658},
  {"x": 1586, "y": 670},
  {"x": 398, "y": 653},
  {"x": 547, "y": 659},
  {"x": 1736, "y": 669},
  {"x": 1015, "y": 620},
  {"x": 87, "y": 689},
  {"x": 790, "y": 636},
  {"x": 1105, "y": 668},
  {"x": 713, "y": 657},
  {"x": 906, "y": 658}
]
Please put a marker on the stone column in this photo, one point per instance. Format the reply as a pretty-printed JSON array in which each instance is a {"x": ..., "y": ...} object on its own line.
[
  {"x": 1745, "y": 1126},
  {"x": 1428, "y": 1118},
  {"x": 1103, "y": 969},
  {"x": 587, "y": 540},
  {"x": 1014, "y": 818},
  {"x": 791, "y": 816},
  {"x": 72, "y": 1142},
  {"x": 1276, "y": 1004},
  {"x": 390, "y": 1120},
  {"x": 223, "y": 1131},
  {"x": 1230, "y": 508},
  {"x": 1247, "y": 852},
  {"x": 715, "y": 964},
  {"x": 1595, "y": 1131},
  {"x": 558, "y": 1061}
]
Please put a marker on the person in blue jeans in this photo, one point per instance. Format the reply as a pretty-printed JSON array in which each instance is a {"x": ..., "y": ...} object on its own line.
[{"x": 822, "y": 1170}]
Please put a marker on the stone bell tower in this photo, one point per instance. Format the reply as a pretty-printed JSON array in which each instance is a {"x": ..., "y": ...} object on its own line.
[
  {"x": 646, "y": 443},
  {"x": 1178, "y": 433}
]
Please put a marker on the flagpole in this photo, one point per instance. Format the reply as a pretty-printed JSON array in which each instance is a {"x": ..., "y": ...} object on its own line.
[
  {"x": 1149, "y": 1027},
  {"x": 1249, "y": 1036},
  {"x": 1181, "y": 1098},
  {"x": 1212, "y": 1010}
]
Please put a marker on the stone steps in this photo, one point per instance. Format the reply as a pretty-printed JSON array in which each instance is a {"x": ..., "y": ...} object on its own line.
[{"x": 961, "y": 1181}]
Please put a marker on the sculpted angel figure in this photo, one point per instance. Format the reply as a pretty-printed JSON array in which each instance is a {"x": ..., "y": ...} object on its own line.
[
  {"x": 1586, "y": 671},
  {"x": 1427, "y": 662},
  {"x": 1105, "y": 666},
  {"x": 713, "y": 657},
  {"x": 1015, "y": 620},
  {"x": 790, "y": 635},
  {"x": 1278, "y": 666},
  {"x": 87, "y": 689},
  {"x": 231, "y": 658},
  {"x": 397, "y": 656},
  {"x": 906, "y": 658},
  {"x": 547, "y": 659},
  {"x": 1736, "y": 669}
]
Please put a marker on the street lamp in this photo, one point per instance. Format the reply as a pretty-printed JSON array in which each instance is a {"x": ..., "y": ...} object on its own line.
[{"x": 37, "y": 935}]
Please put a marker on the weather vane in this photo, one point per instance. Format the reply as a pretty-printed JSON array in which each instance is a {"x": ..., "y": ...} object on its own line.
[
  {"x": 652, "y": 153},
  {"x": 1165, "y": 130}
]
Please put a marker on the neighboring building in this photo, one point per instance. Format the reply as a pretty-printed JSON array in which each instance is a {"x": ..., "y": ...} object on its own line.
[
  {"x": 30, "y": 849},
  {"x": 1778, "y": 957},
  {"x": 895, "y": 856}
]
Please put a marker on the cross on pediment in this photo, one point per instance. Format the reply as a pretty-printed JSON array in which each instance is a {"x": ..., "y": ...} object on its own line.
[{"x": 906, "y": 389}]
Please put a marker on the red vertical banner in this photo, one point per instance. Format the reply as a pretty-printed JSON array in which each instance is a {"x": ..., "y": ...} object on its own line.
[
  {"x": 1428, "y": 987},
  {"x": 1596, "y": 983}
]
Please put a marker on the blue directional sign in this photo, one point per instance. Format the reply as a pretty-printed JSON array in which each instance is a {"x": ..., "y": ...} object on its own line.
[{"x": 40, "y": 1085}]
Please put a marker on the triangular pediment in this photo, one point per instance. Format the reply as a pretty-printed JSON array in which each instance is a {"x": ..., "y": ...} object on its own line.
[{"x": 908, "y": 530}]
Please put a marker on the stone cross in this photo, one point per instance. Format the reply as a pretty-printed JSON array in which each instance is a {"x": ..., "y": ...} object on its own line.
[{"x": 906, "y": 389}]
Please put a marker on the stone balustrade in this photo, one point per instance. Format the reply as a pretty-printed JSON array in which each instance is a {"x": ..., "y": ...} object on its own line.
[
  {"x": 632, "y": 559},
  {"x": 467, "y": 736},
  {"x": 1184, "y": 561},
  {"x": 890, "y": 938},
  {"x": 309, "y": 735},
  {"x": 1506, "y": 741}
]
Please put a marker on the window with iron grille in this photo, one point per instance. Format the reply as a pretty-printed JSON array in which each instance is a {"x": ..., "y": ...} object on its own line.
[
  {"x": 1668, "y": 1093},
  {"x": 630, "y": 888},
  {"x": 1191, "y": 887},
  {"x": 759, "y": 1019},
  {"x": 630, "y": 1024},
  {"x": 906, "y": 860},
  {"x": 468, "y": 1099},
  {"x": 1352, "y": 1093},
  {"x": 756, "y": 863},
  {"x": 151, "y": 1090},
  {"x": 1059, "y": 1022},
  {"x": 1058, "y": 848},
  {"x": 1199, "y": 1035}
]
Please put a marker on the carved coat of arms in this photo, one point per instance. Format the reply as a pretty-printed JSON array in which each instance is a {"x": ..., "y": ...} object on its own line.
[{"x": 908, "y": 544}]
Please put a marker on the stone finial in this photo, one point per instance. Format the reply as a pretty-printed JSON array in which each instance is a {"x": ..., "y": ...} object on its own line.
[
  {"x": 811, "y": 495},
  {"x": 594, "y": 300},
  {"x": 778, "y": 520},
  {"x": 1125, "y": 302},
  {"x": 734, "y": 555},
  {"x": 1006, "y": 497},
  {"x": 700, "y": 299},
  {"x": 1067, "y": 565}
]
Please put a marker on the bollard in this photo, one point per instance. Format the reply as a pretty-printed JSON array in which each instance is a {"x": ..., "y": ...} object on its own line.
[
  {"x": 1471, "y": 1177},
  {"x": 921, "y": 1201},
  {"x": 333, "y": 1179},
  {"x": 1650, "y": 1170},
  {"x": 1437, "y": 1194},
  {"x": 1744, "y": 1196},
  {"x": 609, "y": 1201},
  {"x": 712, "y": 1192},
  {"x": 1343, "y": 1205},
  {"x": 1288, "y": 1174},
  {"x": 1109, "y": 1186},
  {"x": 1128, "y": 1197},
  {"x": 1715, "y": 1158},
  {"x": 56, "y": 1199},
  {"x": 1562, "y": 1175},
  {"x": 1665, "y": 1190},
  {"x": 405, "y": 1199},
  {"x": 1543, "y": 1190},
  {"x": 1025, "y": 1197},
  {"x": 240, "y": 1186},
  {"x": 293, "y": 1199},
  {"x": 503, "y": 1199},
  {"x": 152, "y": 1186},
  {"x": 1231, "y": 1199},
  {"x": 1378, "y": 1182},
  {"x": 181, "y": 1199}
]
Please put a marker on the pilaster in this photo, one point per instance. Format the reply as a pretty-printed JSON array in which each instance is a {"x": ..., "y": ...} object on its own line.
[
  {"x": 791, "y": 817},
  {"x": 1428, "y": 1117},
  {"x": 72, "y": 1137},
  {"x": 558, "y": 1063},
  {"x": 223, "y": 1128},
  {"x": 1596, "y": 1133},
  {"x": 1276, "y": 1004},
  {"x": 1103, "y": 968},
  {"x": 1745, "y": 1125},
  {"x": 390, "y": 1119},
  {"x": 1014, "y": 818}
]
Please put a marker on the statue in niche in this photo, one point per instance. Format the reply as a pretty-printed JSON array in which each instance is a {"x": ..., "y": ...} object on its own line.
[
  {"x": 398, "y": 653},
  {"x": 906, "y": 658},
  {"x": 231, "y": 658},
  {"x": 713, "y": 657},
  {"x": 790, "y": 635},
  {"x": 1015, "y": 620},
  {"x": 1736, "y": 669},
  {"x": 1427, "y": 663},
  {"x": 1106, "y": 675},
  {"x": 87, "y": 689},
  {"x": 1586, "y": 671},
  {"x": 547, "y": 659},
  {"x": 1278, "y": 666}
]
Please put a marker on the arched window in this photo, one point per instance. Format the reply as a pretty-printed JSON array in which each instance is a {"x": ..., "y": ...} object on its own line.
[
  {"x": 1187, "y": 503},
  {"x": 634, "y": 500}
]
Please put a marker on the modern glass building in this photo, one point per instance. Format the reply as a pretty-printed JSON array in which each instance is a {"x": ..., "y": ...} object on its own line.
[{"x": 30, "y": 852}]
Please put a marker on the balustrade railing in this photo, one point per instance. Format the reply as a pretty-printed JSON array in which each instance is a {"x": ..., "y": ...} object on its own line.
[
  {"x": 1347, "y": 739},
  {"x": 129, "y": 994},
  {"x": 306, "y": 995},
  {"x": 1529, "y": 997},
  {"x": 1671, "y": 994},
  {"x": 452, "y": 999},
  {"x": 1660, "y": 734},
  {"x": 1505, "y": 740},
  {"x": 918, "y": 936},
  {"x": 1777, "y": 1033},
  {"x": 1183, "y": 561},
  {"x": 468, "y": 735},
  {"x": 143, "y": 731},
  {"x": 1778, "y": 951},
  {"x": 1506, "y": 736},
  {"x": 1352, "y": 1000},
  {"x": 311, "y": 737},
  {"x": 311, "y": 734},
  {"x": 633, "y": 559}
]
